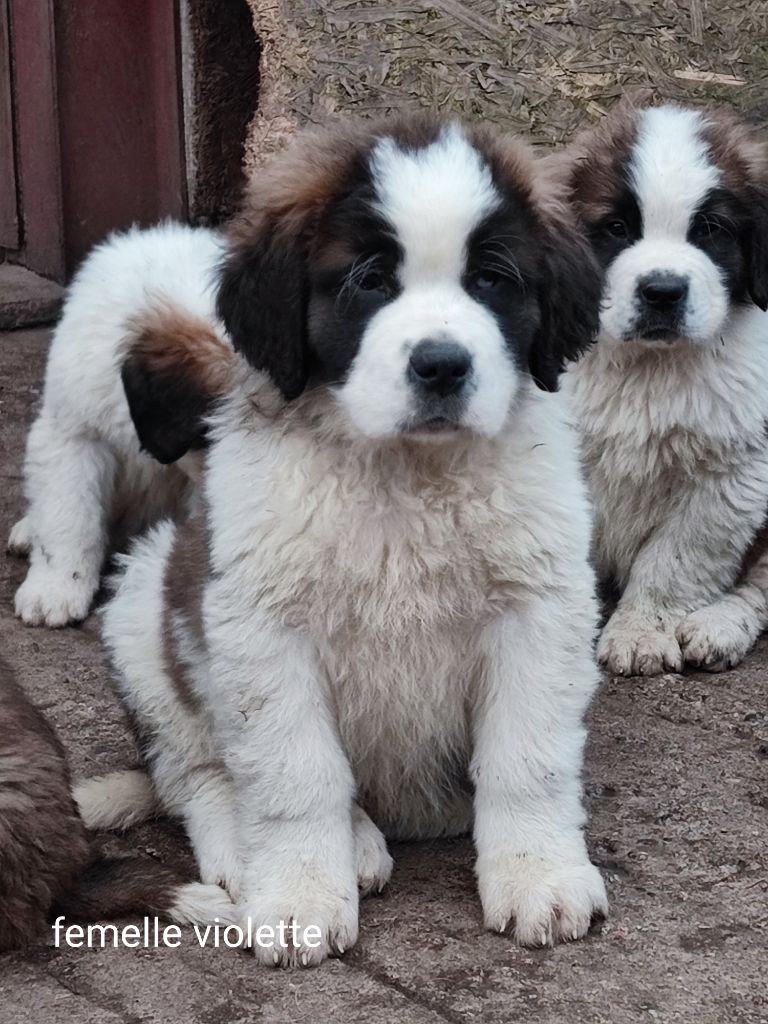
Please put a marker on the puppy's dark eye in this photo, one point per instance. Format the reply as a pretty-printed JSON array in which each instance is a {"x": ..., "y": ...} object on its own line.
[
  {"x": 485, "y": 281},
  {"x": 617, "y": 229},
  {"x": 374, "y": 281},
  {"x": 704, "y": 226}
]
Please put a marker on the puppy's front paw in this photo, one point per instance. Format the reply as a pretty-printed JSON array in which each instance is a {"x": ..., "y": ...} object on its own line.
[
  {"x": 307, "y": 919},
  {"x": 374, "y": 864},
  {"x": 53, "y": 598},
  {"x": 635, "y": 647},
  {"x": 718, "y": 637},
  {"x": 20, "y": 539},
  {"x": 542, "y": 902}
]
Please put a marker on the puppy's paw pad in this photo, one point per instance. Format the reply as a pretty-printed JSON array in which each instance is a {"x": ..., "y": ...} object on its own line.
[
  {"x": 539, "y": 902},
  {"x": 719, "y": 636},
  {"x": 47, "y": 598},
  {"x": 20, "y": 539}
]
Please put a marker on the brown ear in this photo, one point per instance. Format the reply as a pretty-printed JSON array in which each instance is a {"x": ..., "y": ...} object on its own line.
[
  {"x": 263, "y": 288},
  {"x": 569, "y": 298},
  {"x": 175, "y": 368}
]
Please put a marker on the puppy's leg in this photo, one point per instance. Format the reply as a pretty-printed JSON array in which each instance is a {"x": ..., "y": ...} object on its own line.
[
  {"x": 293, "y": 783},
  {"x": 202, "y": 796},
  {"x": 533, "y": 870},
  {"x": 686, "y": 563},
  {"x": 188, "y": 778},
  {"x": 68, "y": 481},
  {"x": 718, "y": 636}
]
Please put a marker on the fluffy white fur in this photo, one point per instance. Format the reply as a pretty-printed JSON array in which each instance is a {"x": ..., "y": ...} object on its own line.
[
  {"x": 674, "y": 433},
  {"x": 385, "y": 621},
  {"x": 84, "y": 475}
]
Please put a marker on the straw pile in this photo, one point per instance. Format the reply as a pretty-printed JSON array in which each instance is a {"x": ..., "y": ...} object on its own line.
[{"x": 533, "y": 66}]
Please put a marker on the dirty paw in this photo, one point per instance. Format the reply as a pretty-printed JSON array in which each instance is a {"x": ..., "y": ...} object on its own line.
[
  {"x": 540, "y": 902},
  {"x": 53, "y": 598},
  {"x": 718, "y": 637},
  {"x": 638, "y": 648}
]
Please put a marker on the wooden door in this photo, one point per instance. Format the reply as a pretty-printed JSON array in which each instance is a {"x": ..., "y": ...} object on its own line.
[{"x": 9, "y": 219}]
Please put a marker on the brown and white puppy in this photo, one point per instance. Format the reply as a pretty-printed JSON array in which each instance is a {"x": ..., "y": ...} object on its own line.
[
  {"x": 672, "y": 401},
  {"x": 88, "y": 485},
  {"x": 47, "y": 865},
  {"x": 381, "y": 621}
]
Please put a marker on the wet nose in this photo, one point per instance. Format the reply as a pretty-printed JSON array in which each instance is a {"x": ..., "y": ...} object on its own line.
[
  {"x": 440, "y": 367},
  {"x": 663, "y": 291}
]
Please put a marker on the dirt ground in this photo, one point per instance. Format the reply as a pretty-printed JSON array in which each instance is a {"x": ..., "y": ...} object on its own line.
[{"x": 676, "y": 777}]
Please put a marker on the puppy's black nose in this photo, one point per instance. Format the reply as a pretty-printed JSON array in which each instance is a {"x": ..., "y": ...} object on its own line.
[
  {"x": 440, "y": 367},
  {"x": 663, "y": 290}
]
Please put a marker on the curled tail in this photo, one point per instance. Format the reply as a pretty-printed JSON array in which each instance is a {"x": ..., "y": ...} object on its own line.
[
  {"x": 116, "y": 886},
  {"x": 118, "y": 800}
]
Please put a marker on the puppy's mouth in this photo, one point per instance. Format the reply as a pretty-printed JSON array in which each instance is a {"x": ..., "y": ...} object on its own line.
[
  {"x": 432, "y": 425},
  {"x": 667, "y": 334},
  {"x": 666, "y": 329}
]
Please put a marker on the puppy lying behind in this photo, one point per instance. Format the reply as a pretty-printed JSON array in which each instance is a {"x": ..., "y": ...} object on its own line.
[
  {"x": 46, "y": 863},
  {"x": 87, "y": 483},
  {"x": 381, "y": 618},
  {"x": 672, "y": 401}
]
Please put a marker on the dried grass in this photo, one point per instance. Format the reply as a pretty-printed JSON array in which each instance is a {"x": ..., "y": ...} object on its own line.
[{"x": 533, "y": 66}]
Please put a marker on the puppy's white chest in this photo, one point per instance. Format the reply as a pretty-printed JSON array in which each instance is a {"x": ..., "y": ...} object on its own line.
[
  {"x": 653, "y": 428},
  {"x": 394, "y": 578}
]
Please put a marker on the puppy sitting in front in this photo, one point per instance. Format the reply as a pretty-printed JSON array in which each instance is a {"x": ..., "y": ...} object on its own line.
[
  {"x": 672, "y": 401},
  {"x": 382, "y": 622}
]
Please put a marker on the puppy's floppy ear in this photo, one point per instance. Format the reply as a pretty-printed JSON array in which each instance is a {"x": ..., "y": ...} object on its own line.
[
  {"x": 757, "y": 246},
  {"x": 175, "y": 367},
  {"x": 263, "y": 302},
  {"x": 167, "y": 412},
  {"x": 569, "y": 299}
]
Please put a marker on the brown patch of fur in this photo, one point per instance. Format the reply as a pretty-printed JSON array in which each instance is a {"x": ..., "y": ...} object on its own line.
[
  {"x": 737, "y": 150},
  {"x": 298, "y": 185},
  {"x": 589, "y": 171},
  {"x": 117, "y": 886},
  {"x": 186, "y": 572},
  {"x": 47, "y": 866},
  {"x": 43, "y": 842},
  {"x": 165, "y": 339}
]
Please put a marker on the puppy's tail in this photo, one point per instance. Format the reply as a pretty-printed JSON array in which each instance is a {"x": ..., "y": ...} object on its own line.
[
  {"x": 118, "y": 800},
  {"x": 111, "y": 887},
  {"x": 117, "y": 886}
]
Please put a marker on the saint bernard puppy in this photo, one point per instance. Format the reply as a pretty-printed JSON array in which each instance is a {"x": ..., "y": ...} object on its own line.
[
  {"x": 672, "y": 401},
  {"x": 86, "y": 480},
  {"x": 381, "y": 619}
]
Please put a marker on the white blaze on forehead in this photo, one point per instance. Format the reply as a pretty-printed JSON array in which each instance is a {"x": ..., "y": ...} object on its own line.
[
  {"x": 670, "y": 170},
  {"x": 433, "y": 197}
]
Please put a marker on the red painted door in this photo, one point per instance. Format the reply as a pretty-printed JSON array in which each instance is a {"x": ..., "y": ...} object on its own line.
[
  {"x": 9, "y": 221},
  {"x": 97, "y": 126}
]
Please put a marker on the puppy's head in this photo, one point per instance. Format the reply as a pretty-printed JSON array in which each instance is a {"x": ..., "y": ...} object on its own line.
[
  {"x": 676, "y": 204},
  {"x": 418, "y": 269}
]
